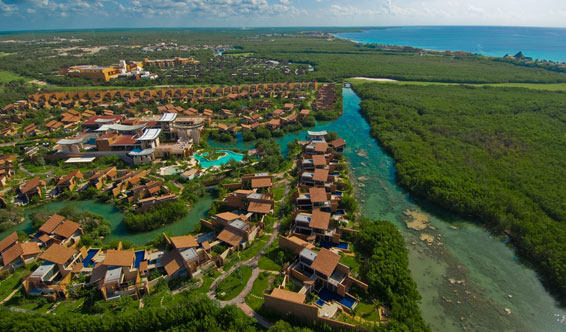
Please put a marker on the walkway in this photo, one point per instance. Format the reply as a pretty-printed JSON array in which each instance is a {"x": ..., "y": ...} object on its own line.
[{"x": 11, "y": 295}]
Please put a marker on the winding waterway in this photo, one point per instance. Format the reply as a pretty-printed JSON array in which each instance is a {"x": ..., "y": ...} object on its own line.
[
  {"x": 118, "y": 229},
  {"x": 467, "y": 278}
]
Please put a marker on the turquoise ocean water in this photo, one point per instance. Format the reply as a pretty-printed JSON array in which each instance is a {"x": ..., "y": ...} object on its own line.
[{"x": 538, "y": 43}]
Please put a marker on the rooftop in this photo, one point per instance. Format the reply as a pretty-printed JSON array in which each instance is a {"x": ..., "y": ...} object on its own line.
[
  {"x": 288, "y": 295},
  {"x": 185, "y": 241},
  {"x": 119, "y": 258},
  {"x": 58, "y": 254},
  {"x": 325, "y": 262}
]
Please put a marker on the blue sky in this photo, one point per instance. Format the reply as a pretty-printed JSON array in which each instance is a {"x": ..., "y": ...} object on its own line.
[{"x": 60, "y": 14}]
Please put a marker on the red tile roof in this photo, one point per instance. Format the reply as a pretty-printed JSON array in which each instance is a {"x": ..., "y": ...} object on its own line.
[
  {"x": 337, "y": 143},
  {"x": 186, "y": 241},
  {"x": 67, "y": 229},
  {"x": 51, "y": 223},
  {"x": 229, "y": 237},
  {"x": 119, "y": 258},
  {"x": 57, "y": 254},
  {"x": 325, "y": 262},
  {"x": 261, "y": 182},
  {"x": 320, "y": 220},
  {"x": 8, "y": 241},
  {"x": 320, "y": 175},
  {"x": 12, "y": 253},
  {"x": 318, "y": 195},
  {"x": 259, "y": 207},
  {"x": 284, "y": 294}
]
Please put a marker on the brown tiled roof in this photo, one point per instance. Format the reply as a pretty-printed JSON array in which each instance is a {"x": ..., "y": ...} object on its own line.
[
  {"x": 125, "y": 140},
  {"x": 119, "y": 258},
  {"x": 30, "y": 248},
  {"x": 261, "y": 182},
  {"x": 12, "y": 253},
  {"x": 318, "y": 195},
  {"x": 229, "y": 237},
  {"x": 30, "y": 185},
  {"x": 205, "y": 245},
  {"x": 58, "y": 254},
  {"x": 325, "y": 262},
  {"x": 68, "y": 177},
  {"x": 51, "y": 223},
  {"x": 274, "y": 122},
  {"x": 321, "y": 147},
  {"x": 320, "y": 220},
  {"x": 320, "y": 175},
  {"x": 284, "y": 294},
  {"x": 300, "y": 242},
  {"x": 67, "y": 228},
  {"x": 8, "y": 241},
  {"x": 305, "y": 112},
  {"x": 338, "y": 143},
  {"x": 185, "y": 241},
  {"x": 98, "y": 273},
  {"x": 171, "y": 263},
  {"x": 227, "y": 216},
  {"x": 44, "y": 238},
  {"x": 319, "y": 160},
  {"x": 259, "y": 207}
]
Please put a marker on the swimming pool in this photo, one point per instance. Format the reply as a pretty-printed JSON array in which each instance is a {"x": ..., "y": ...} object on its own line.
[
  {"x": 228, "y": 155},
  {"x": 320, "y": 302},
  {"x": 328, "y": 245},
  {"x": 139, "y": 258},
  {"x": 328, "y": 296},
  {"x": 88, "y": 262}
]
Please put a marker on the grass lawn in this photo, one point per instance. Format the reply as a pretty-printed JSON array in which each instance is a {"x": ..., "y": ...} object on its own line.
[
  {"x": 350, "y": 261},
  {"x": 278, "y": 191},
  {"x": 246, "y": 254},
  {"x": 367, "y": 311},
  {"x": 12, "y": 282},
  {"x": 239, "y": 54},
  {"x": 273, "y": 258},
  {"x": 233, "y": 285},
  {"x": 7, "y": 76},
  {"x": 255, "y": 297}
]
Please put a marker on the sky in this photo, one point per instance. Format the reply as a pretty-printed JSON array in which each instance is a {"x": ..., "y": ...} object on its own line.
[{"x": 70, "y": 14}]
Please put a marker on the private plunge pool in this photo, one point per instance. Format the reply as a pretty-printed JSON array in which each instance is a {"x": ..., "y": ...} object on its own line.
[{"x": 228, "y": 155}]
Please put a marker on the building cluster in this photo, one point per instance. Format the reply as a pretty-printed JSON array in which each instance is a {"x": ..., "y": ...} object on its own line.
[
  {"x": 230, "y": 67},
  {"x": 126, "y": 69},
  {"x": 325, "y": 97},
  {"x": 315, "y": 239},
  {"x": 138, "y": 141},
  {"x": 16, "y": 112},
  {"x": 127, "y": 272}
]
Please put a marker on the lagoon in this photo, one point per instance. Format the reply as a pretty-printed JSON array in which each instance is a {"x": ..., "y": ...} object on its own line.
[
  {"x": 228, "y": 155},
  {"x": 114, "y": 216}
]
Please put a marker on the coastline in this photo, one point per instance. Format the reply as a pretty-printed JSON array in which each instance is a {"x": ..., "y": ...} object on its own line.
[{"x": 538, "y": 43}]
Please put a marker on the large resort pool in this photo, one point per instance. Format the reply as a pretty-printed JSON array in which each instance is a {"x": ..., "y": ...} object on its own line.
[{"x": 228, "y": 155}]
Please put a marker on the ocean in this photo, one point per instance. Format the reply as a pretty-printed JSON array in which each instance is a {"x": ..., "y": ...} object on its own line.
[{"x": 538, "y": 43}]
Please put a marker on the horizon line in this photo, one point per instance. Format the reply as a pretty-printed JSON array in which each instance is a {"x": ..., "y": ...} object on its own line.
[{"x": 244, "y": 28}]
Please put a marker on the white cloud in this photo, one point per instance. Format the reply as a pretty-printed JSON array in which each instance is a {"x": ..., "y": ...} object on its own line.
[{"x": 7, "y": 9}]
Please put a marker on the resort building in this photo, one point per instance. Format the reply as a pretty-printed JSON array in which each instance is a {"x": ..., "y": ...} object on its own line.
[
  {"x": 52, "y": 277},
  {"x": 14, "y": 254},
  {"x": 119, "y": 275},
  {"x": 186, "y": 257}
]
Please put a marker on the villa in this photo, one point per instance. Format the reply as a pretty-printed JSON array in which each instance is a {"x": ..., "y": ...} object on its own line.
[{"x": 52, "y": 277}]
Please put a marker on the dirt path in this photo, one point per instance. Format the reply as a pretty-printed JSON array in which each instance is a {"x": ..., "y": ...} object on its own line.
[{"x": 11, "y": 295}]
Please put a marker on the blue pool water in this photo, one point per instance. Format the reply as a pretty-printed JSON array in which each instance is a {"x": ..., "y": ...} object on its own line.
[
  {"x": 228, "y": 155},
  {"x": 538, "y": 43},
  {"x": 320, "y": 302},
  {"x": 139, "y": 258},
  {"x": 87, "y": 262},
  {"x": 329, "y": 296},
  {"x": 328, "y": 245}
]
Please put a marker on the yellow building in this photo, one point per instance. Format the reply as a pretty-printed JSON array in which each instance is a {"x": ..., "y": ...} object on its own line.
[{"x": 93, "y": 72}]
